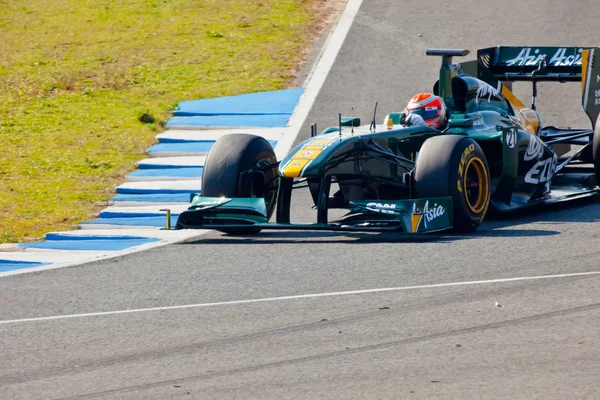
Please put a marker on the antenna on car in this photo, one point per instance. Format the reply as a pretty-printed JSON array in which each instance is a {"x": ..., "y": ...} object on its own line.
[
  {"x": 373, "y": 122},
  {"x": 340, "y": 123},
  {"x": 541, "y": 70}
]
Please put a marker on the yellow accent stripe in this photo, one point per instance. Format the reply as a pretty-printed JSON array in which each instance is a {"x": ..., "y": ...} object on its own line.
[
  {"x": 310, "y": 147},
  {"x": 321, "y": 141},
  {"x": 531, "y": 119},
  {"x": 306, "y": 154},
  {"x": 294, "y": 167},
  {"x": 585, "y": 55},
  {"x": 514, "y": 100},
  {"x": 416, "y": 218},
  {"x": 302, "y": 157}
]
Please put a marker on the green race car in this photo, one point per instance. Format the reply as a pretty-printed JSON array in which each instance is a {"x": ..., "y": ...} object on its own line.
[{"x": 492, "y": 152}]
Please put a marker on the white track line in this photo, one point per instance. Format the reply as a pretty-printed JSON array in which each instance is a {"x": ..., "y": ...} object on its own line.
[
  {"x": 298, "y": 297},
  {"x": 317, "y": 78}
]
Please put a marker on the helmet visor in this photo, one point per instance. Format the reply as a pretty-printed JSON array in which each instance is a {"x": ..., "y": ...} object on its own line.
[{"x": 426, "y": 113}]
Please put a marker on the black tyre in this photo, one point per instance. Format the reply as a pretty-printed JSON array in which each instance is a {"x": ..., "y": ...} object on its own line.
[
  {"x": 596, "y": 150},
  {"x": 228, "y": 158},
  {"x": 452, "y": 165}
]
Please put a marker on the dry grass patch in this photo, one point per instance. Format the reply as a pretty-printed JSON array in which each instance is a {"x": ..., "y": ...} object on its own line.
[{"x": 76, "y": 75}]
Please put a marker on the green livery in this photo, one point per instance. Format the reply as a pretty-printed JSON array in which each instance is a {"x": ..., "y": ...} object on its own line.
[{"x": 493, "y": 153}]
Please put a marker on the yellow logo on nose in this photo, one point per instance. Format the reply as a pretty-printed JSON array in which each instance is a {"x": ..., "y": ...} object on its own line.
[{"x": 416, "y": 220}]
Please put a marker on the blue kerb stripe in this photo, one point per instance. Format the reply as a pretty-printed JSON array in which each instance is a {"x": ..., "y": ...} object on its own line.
[
  {"x": 167, "y": 173},
  {"x": 155, "y": 198},
  {"x": 179, "y": 140},
  {"x": 150, "y": 165},
  {"x": 258, "y": 121},
  {"x": 143, "y": 191},
  {"x": 143, "y": 221},
  {"x": 61, "y": 236},
  {"x": 99, "y": 245},
  {"x": 25, "y": 263},
  {"x": 258, "y": 103},
  {"x": 189, "y": 147},
  {"x": 12, "y": 265},
  {"x": 132, "y": 215}
]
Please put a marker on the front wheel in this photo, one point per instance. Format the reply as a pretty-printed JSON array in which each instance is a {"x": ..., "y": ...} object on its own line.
[
  {"x": 229, "y": 158},
  {"x": 455, "y": 166}
]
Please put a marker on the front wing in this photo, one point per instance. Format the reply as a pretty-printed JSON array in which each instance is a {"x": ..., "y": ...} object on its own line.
[{"x": 244, "y": 214}]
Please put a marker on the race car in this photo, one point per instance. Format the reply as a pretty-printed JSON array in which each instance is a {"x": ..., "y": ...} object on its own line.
[{"x": 492, "y": 153}]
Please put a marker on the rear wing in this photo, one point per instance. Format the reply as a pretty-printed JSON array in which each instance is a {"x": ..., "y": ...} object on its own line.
[
  {"x": 548, "y": 64},
  {"x": 561, "y": 64}
]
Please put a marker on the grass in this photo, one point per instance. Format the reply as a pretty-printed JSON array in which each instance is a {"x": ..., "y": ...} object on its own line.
[{"x": 85, "y": 85}]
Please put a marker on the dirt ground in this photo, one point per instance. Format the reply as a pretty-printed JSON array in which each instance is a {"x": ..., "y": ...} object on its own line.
[{"x": 327, "y": 14}]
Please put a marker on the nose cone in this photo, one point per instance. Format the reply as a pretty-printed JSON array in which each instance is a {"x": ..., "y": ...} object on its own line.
[{"x": 294, "y": 164}]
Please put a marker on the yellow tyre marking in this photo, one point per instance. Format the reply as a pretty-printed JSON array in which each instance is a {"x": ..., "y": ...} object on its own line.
[{"x": 482, "y": 178}]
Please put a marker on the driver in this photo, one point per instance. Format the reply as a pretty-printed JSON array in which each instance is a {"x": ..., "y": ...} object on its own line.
[{"x": 425, "y": 109}]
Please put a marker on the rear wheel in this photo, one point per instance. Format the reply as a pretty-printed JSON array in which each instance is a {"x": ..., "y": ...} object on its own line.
[
  {"x": 455, "y": 166},
  {"x": 228, "y": 159}
]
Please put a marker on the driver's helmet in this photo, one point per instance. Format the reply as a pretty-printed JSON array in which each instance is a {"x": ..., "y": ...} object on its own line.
[{"x": 429, "y": 107}]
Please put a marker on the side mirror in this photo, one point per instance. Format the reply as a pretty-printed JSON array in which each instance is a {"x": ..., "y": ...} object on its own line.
[{"x": 350, "y": 121}]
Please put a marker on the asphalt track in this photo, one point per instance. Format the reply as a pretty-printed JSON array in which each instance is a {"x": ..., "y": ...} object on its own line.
[{"x": 482, "y": 335}]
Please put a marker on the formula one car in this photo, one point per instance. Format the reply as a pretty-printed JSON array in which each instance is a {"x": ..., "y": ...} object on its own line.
[{"x": 493, "y": 152}]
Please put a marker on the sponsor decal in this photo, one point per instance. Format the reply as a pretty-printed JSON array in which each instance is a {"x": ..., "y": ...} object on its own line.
[
  {"x": 531, "y": 120},
  {"x": 209, "y": 203},
  {"x": 486, "y": 90},
  {"x": 516, "y": 121},
  {"x": 511, "y": 138},
  {"x": 433, "y": 213},
  {"x": 485, "y": 59},
  {"x": 381, "y": 208},
  {"x": 461, "y": 166},
  {"x": 430, "y": 108},
  {"x": 542, "y": 171},
  {"x": 428, "y": 215},
  {"x": 596, "y": 97},
  {"x": 528, "y": 56},
  {"x": 535, "y": 149}
]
